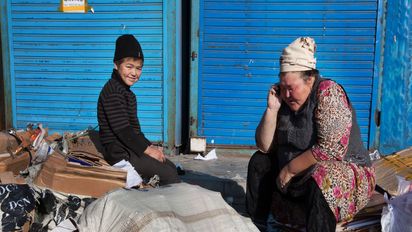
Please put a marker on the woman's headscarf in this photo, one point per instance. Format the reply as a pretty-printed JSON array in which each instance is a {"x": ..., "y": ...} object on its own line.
[{"x": 299, "y": 55}]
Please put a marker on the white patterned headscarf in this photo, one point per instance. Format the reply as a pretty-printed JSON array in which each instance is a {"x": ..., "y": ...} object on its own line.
[{"x": 299, "y": 55}]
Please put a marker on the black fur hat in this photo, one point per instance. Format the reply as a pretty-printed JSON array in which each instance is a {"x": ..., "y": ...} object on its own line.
[{"x": 127, "y": 46}]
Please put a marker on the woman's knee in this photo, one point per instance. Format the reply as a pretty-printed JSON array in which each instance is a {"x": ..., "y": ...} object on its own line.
[{"x": 260, "y": 162}]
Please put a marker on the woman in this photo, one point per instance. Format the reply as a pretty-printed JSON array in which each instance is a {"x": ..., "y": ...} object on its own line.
[
  {"x": 312, "y": 167},
  {"x": 119, "y": 127}
]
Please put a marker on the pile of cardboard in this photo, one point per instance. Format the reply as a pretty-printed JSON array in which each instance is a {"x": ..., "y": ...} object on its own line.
[
  {"x": 78, "y": 170},
  {"x": 386, "y": 169},
  {"x": 77, "y": 167},
  {"x": 389, "y": 167},
  {"x": 81, "y": 169}
]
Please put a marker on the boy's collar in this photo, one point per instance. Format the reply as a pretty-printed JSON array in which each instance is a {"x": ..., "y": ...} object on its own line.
[{"x": 116, "y": 76}]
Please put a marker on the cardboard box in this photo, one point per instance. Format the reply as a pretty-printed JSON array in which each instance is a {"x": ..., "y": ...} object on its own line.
[{"x": 68, "y": 177}]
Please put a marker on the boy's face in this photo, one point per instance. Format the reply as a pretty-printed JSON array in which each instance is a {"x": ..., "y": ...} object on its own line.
[{"x": 130, "y": 70}]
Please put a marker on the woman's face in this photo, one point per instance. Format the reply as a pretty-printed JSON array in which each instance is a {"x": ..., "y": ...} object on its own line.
[
  {"x": 130, "y": 70},
  {"x": 294, "y": 90}
]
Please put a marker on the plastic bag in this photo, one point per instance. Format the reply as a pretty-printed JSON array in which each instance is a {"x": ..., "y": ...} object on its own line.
[
  {"x": 396, "y": 216},
  {"x": 404, "y": 185}
]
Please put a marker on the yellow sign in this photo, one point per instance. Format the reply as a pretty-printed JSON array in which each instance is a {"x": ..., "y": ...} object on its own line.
[{"x": 74, "y": 6}]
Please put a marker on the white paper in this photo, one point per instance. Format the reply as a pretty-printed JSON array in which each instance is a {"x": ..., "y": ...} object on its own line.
[
  {"x": 133, "y": 178},
  {"x": 210, "y": 156},
  {"x": 65, "y": 226}
]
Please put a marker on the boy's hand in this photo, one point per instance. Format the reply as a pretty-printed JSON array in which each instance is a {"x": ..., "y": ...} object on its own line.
[{"x": 156, "y": 153}]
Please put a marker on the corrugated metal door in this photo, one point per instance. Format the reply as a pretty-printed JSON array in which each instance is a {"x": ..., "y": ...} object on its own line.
[
  {"x": 60, "y": 61},
  {"x": 239, "y": 47},
  {"x": 396, "y": 120}
]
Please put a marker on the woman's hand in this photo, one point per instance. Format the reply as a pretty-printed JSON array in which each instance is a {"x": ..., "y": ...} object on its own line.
[
  {"x": 267, "y": 125},
  {"x": 156, "y": 153},
  {"x": 295, "y": 166},
  {"x": 274, "y": 100},
  {"x": 285, "y": 176}
]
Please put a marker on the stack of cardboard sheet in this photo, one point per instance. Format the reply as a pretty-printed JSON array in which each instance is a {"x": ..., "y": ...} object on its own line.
[{"x": 386, "y": 169}]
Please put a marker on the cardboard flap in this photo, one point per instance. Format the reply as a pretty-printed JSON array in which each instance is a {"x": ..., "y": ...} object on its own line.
[{"x": 7, "y": 178}]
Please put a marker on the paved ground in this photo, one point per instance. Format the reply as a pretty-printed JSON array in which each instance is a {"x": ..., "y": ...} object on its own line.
[{"x": 226, "y": 174}]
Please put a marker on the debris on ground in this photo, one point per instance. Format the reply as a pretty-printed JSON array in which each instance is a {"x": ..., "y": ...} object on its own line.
[
  {"x": 61, "y": 175},
  {"x": 66, "y": 173},
  {"x": 393, "y": 178}
]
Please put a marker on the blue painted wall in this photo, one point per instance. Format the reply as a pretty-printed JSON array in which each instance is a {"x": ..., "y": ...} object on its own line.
[
  {"x": 60, "y": 61},
  {"x": 396, "y": 94}
]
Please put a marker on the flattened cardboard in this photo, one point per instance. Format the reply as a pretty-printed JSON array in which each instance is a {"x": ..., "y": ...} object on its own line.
[
  {"x": 9, "y": 178},
  {"x": 61, "y": 175}
]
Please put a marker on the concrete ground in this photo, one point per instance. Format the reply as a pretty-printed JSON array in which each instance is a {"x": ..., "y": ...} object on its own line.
[{"x": 226, "y": 174}]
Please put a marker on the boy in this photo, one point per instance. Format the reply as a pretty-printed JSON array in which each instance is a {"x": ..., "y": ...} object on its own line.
[{"x": 119, "y": 127}]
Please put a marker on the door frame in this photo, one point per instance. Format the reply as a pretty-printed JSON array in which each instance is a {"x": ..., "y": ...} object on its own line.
[
  {"x": 6, "y": 100},
  {"x": 195, "y": 37}
]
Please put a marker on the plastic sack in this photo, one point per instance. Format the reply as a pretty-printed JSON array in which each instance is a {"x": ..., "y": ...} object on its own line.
[
  {"x": 404, "y": 185},
  {"x": 396, "y": 216}
]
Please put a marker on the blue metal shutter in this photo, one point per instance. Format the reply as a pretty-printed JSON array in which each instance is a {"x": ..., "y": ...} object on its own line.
[
  {"x": 60, "y": 61},
  {"x": 240, "y": 44}
]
